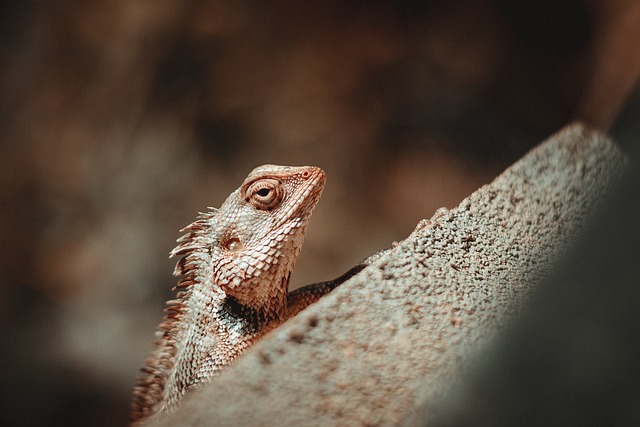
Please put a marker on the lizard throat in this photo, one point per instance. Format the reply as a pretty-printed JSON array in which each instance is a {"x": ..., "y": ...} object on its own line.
[
  {"x": 262, "y": 302},
  {"x": 245, "y": 319}
]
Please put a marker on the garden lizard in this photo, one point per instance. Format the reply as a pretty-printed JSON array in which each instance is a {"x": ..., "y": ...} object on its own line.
[{"x": 235, "y": 267}]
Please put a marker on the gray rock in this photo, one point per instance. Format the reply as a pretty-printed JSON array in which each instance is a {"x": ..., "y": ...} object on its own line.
[{"x": 572, "y": 356}]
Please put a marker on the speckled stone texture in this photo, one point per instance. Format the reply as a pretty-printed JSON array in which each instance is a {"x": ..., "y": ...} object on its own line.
[{"x": 400, "y": 334}]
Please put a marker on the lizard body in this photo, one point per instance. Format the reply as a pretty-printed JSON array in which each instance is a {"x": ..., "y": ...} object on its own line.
[{"x": 235, "y": 267}]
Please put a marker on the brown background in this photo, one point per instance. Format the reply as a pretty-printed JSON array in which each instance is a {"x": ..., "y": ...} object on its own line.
[{"x": 119, "y": 120}]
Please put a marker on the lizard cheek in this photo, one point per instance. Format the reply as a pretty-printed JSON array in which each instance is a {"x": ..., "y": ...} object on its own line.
[{"x": 231, "y": 269}]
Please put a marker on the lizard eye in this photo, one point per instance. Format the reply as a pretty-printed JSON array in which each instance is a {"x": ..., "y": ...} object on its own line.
[{"x": 265, "y": 194}]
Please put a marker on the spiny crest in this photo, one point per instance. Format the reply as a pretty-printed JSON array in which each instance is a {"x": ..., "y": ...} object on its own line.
[
  {"x": 149, "y": 390},
  {"x": 190, "y": 241},
  {"x": 188, "y": 245}
]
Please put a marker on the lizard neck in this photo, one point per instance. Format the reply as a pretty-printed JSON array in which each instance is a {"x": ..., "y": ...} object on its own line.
[
  {"x": 210, "y": 332},
  {"x": 234, "y": 312}
]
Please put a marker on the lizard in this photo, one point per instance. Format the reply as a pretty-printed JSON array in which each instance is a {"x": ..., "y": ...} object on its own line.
[{"x": 235, "y": 264}]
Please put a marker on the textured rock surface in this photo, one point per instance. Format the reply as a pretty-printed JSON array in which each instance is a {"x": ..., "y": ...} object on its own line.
[
  {"x": 401, "y": 332},
  {"x": 571, "y": 357}
]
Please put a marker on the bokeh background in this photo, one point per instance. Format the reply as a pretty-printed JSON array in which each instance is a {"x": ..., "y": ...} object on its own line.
[{"x": 119, "y": 120}]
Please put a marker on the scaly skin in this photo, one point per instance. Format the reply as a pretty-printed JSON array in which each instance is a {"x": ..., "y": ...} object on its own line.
[{"x": 236, "y": 266}]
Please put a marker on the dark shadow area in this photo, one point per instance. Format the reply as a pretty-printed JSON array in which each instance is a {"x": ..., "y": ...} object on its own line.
[{"x": 572, "y": 358}]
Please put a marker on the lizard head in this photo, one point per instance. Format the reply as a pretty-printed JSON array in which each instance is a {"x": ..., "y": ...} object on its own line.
[{"x": 248, "y": 248}]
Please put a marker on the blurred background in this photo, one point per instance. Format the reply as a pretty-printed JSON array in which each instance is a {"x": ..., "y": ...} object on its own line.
[{"x": 119, "y": 120}]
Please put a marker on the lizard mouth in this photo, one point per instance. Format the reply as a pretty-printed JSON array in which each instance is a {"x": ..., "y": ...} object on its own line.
[{"x": 309, "y": 193}]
